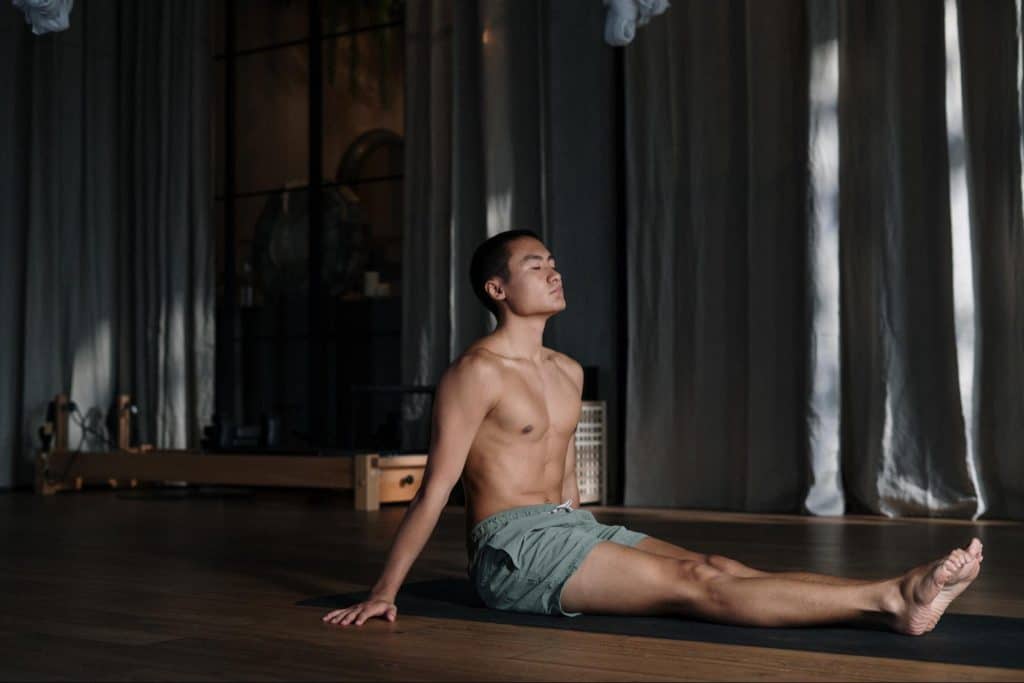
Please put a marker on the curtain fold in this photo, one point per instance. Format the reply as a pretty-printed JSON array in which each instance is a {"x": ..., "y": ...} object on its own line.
[
  {"x": 793, "y": 338},
  {"x": 716, "y": 141},
  {"x": 445, "y": 197},
  {"x": 15, "y": 78},
  {"x": 990, "y": 36},
  {"x": 474, "y": 165},
  {"x": 777, "y": 86},
  {"x": 116, "y": 283},
  {"x": 167, "y": 245},
  {"x": 903, "y": 431}
]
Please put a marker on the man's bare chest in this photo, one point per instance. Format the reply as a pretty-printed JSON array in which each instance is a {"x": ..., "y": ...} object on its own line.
[{"x": 533, "y": 408}]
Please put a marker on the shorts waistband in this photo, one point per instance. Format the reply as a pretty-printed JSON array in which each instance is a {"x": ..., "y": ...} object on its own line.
[{"x": 489, "y": 525}]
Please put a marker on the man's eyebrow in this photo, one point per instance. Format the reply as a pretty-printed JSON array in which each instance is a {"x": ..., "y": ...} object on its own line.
[{"x": 538, "y": 257}]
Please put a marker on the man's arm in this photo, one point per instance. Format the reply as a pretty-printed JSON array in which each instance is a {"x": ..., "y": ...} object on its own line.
[
  {"x": 570, "y": 484},
  {"x": 467, "y": 392}
]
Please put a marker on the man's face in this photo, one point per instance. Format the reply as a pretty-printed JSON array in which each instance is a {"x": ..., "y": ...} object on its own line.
[{"x": 533, "y": 286}]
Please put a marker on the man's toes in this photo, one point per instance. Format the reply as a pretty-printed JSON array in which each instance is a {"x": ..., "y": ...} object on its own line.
[
  {"x": 945, "y": 571},
  {"x": 955, "y": 561}
]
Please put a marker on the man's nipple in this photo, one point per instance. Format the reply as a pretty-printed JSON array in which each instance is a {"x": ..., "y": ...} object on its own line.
[{"x": 527, "y": 429}]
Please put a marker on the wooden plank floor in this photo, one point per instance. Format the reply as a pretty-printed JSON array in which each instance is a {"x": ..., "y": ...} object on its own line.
[{"x": 98, "y": 586}]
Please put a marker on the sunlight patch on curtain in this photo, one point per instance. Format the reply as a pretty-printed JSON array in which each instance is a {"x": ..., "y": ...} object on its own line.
[
  {"x": 963, "y": 277},
  {"x": 825, "y": 494},
  {"x": 92, "y": 381},
  {"x": 499, "y": 211}
]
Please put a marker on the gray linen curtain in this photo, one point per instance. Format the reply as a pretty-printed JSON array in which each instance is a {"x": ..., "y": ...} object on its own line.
[
  {"x": 811, "y": 326},
  {"x": 104, "y": 171},
  {"x": 990, "y": 46}
]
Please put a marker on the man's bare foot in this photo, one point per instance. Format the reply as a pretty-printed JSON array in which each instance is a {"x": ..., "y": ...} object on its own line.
[{"x": 925, "y": 592}]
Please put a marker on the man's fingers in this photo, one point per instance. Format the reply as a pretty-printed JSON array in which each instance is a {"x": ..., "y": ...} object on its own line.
[
  {"x": 340, "y": 615},
  {"x": 365, "y": 614},
  {"x": 358, "y": 614}
]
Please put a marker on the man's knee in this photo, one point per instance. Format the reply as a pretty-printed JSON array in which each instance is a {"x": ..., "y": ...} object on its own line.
[
  {"x": 732, "y": 567},
  {"x": 699, "y": 583}
]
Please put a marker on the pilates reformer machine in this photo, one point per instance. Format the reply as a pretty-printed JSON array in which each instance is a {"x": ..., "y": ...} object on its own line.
[{"x": 374, "y": 477}]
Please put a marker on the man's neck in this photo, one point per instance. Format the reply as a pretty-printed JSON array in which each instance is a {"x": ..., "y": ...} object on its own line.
[{"x": 522, "y": 337}]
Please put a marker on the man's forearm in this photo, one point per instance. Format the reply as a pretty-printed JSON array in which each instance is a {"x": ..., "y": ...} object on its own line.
[
  {"x": 571, "y": 492},
  {"x": 413, "y": 533}
]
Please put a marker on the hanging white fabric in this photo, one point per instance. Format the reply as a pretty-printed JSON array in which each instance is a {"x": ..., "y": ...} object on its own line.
[
  {"x": 625, "y": 15},
  {"x": 46, "y": 16}
]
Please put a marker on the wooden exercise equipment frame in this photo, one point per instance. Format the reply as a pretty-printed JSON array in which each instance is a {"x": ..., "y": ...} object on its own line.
[{"x": 375, "y": 478}]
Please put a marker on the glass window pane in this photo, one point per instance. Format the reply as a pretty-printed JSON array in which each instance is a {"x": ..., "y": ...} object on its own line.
[
  {"x": 261, "y": 23},
  {"x": 367, "y": 419},
  {"x": 364, "y": 107},
  {"x": 379, "y": 207},
  {"x": 273, "y": 380},
  {"x": 363, "y": 141},
  {"x": 273, "y": 266},
  {"x": 346, "y": 15},
  {"x": 272, "y": 119},
  {"x": 272, "y": 233}
]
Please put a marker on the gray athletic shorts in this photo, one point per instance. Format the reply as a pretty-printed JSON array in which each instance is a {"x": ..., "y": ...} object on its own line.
[{"x": 522, "y": 558}]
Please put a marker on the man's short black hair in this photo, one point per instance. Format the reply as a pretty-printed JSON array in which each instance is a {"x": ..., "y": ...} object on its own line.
[{"x": 491, "y": 260}]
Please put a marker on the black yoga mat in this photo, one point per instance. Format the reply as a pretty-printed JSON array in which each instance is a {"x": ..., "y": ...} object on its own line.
[{"x": 958, "y": 639}]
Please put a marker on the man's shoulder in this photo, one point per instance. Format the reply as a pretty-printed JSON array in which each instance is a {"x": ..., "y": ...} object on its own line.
[
  {"x": 567, "y": 363},
  {"x": 475, "y": 364},
  {"x": 563, "y": 358}
]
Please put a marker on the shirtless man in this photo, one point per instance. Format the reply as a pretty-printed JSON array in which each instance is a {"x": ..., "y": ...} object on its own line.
[{"x": 504, "y": 418}]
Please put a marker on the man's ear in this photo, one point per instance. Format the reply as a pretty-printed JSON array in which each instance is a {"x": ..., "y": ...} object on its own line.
[{"x": 494, "y": 290}]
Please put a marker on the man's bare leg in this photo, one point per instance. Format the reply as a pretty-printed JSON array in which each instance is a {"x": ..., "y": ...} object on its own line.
[
  {"x": 736, "y": 568},
  {"x": 615, "y": 579}
]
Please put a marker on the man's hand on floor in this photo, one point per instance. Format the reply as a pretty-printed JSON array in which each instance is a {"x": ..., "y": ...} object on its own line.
[{"x": 361, "y": 612}]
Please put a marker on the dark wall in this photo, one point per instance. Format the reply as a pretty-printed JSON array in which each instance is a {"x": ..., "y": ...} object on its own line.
[{"x": 585, "y": 192}]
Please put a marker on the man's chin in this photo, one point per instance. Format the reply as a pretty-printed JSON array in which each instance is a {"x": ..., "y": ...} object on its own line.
[{"x": 547, "y": 311}]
